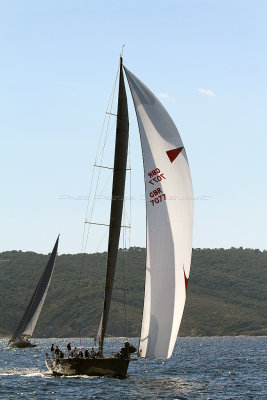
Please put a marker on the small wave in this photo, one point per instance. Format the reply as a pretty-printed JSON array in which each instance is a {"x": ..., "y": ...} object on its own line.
[
  {"x": 25, "y": 372},
  {"x": 81, "y": 377}
]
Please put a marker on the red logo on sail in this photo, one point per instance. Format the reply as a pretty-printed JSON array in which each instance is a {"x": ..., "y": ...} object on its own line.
[
  {"x": 174, "y": 153},
  {"x": 185, "y": 280}
]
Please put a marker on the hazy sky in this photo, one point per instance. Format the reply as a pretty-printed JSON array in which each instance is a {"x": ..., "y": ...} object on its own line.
[{"x": 207, "y": 63}]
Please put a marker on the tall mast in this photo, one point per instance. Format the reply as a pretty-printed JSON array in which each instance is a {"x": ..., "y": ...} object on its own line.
[{"x": 118, "y": 187}]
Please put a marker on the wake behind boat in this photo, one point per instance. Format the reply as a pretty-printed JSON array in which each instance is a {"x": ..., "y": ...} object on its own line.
[
  {"x": 27, "y": 324},
  {"x": 169, "y": 208}
]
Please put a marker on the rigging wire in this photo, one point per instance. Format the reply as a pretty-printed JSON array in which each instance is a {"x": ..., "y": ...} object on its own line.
[
  {"x": 101, "y": 160},
  {"x": 102, "y": 240},
  {"x": 105, "y": 133},
  {"x": 105, "y": 184},
  {"x": 99, "y": 154}
]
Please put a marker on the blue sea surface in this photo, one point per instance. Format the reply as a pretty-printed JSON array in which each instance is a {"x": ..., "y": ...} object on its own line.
[{"x": 211, "y": 368}]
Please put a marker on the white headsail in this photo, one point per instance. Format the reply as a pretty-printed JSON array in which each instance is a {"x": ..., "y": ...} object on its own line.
[{"x": 169, "y": 206}]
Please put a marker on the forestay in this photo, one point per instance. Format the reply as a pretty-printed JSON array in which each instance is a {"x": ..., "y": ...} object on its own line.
[{"x": 169, "y": 207}]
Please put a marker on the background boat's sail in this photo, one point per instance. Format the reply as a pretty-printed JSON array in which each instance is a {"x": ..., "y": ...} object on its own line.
[
  {"x": 31, "y": 315},
  {"x": 118, "y": 186},
  {"x": 169, "y": 205}
]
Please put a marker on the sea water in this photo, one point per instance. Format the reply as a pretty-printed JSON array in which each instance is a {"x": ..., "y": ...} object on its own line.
[{"x": 200, "y": 368}]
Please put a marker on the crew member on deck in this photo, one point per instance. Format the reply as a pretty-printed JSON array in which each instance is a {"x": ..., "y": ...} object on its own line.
[
  {"x": 57, "y": 352},
  {"x": 52, "y": 351},
  {"x": 126, "y": 351},
  {"x": 69, "y": 347},
  {"x": 92, "y": 353},
  {"x": 80, "y": 354}
]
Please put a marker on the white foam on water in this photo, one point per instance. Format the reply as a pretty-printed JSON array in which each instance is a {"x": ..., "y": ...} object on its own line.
[
  {"x": 81, "y": 377},
  {"x": 25, "y": 372}
]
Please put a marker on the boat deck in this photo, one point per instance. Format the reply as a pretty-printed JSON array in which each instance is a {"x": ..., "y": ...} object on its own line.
[{"x": 109, "y": 366}]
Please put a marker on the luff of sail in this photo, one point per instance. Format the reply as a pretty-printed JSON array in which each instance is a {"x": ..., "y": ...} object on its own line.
[
  {"x": 118, "y": 187},
  {"x": 31, "y": 315},
  {"x": 169, "y": 207}
]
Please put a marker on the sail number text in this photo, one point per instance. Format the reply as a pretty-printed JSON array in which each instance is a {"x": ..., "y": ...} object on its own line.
[
  {"x": 155, "y": 176},
  {"x": 157, "y": 196}
]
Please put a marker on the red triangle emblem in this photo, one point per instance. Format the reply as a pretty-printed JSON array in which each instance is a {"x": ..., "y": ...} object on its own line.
[
  {"x": 174, "y": 153},
  {"x": 186, "y": 281}
]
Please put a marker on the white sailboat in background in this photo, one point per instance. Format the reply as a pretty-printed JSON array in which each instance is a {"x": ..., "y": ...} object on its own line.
[
  {"x": 169, "y": 209},
  {"x": 29, "y": 320}
]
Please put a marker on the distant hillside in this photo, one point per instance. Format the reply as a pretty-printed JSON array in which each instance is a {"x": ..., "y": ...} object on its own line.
[{"x": 226, "y": 293}]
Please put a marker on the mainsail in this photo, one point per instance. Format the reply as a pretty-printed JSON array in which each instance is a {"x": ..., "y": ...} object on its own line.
[
  {"x": 31, "y": 315},
  {"x": 118, "y": 186},
  {"x": 169, "y": 207}
]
